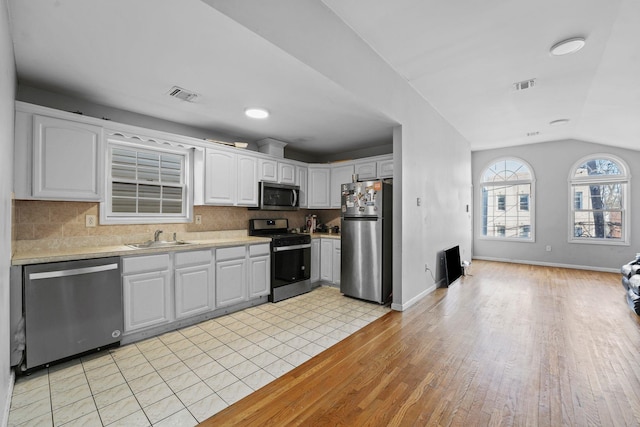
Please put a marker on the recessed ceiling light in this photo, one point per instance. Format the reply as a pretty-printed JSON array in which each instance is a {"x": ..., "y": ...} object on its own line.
[
  {"x": 567, "y": 46},
  {"x": 256, "y": 113},
  {"x": 559, "y": 122}
]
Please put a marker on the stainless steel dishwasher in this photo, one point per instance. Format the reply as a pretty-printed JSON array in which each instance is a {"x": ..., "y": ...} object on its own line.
[{"x": 71, "y": 307}]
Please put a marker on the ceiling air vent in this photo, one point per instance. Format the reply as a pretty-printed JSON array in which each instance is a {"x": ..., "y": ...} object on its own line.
[
  {"x": 525, "y": 84},
  {"x": 183, "y": 94}
]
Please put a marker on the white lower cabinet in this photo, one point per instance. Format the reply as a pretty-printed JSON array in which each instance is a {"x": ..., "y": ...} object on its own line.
[
  {"x": 194, "y": 283},
  {"x": 259, "y": 270},
  {"x": 146, "y": 283},
  {"x": 326, "y": 262},
  {"x": 315, "y": 260},
  {"x": 159, "y": 289},
  {"x": 231, "y": 276},
  {"x": 336, "y": 261}
]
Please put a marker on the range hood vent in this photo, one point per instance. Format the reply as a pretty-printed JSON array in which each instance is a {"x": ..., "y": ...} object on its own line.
[{"x": 183, "y": 94}]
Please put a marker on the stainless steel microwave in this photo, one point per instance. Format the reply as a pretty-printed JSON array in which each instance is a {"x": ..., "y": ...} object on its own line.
[{"x": 279, "y": 197}]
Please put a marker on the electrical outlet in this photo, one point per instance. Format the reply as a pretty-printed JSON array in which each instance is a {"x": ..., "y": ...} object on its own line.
[
  {"x": 90, "y": 220},
  {"x": 198, "y": 219},
  {"x": 418, "y": 201},
  {"x": 426, "y": 267}
]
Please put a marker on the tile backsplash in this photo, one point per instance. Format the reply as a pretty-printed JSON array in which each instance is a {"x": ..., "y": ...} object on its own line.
[{"x": 41, "y": 225}]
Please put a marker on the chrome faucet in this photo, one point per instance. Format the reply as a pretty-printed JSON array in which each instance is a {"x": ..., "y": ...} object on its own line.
[{"x": 156, "y": 235}]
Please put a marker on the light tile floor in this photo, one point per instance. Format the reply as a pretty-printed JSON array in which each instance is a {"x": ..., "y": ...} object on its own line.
[{"x": 183, "y": 377}]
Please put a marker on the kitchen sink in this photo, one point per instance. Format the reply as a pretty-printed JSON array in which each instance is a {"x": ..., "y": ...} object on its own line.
[{"x": 157, "y": 244}]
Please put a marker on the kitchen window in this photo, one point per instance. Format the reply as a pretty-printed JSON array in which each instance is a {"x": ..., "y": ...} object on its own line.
[
  {"x": 599, "y": 212},
  {"x": 507, "y": 188},
  {"x": 146, "y": 184}
]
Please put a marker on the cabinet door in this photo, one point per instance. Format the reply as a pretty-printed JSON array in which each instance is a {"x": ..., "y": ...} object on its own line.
[
  {"x": 259, "y": 276},
  {"x": 385, "y": 168},
  {"x": 147, "y": 300},
  {"x": 336, "y": 261},
  {"x": 315, "y": 260},
  {"x": 339, "y": 175},
  {"x": 301, "y": 181},
  {"x": 194, "y": 290},
  {"x": 286, "y": 173},
  {"x": 326, "y": 260},
  {"x": 231, "y": 282},
  {"x": 268, "y": 170},
  {"x": 67, "y": 159},
  {"x": 220, "y": 177},
  {"x": 319, "y": 184},
  {"x": 366, "y": 170},
  {"x": 247, "y": 181}
]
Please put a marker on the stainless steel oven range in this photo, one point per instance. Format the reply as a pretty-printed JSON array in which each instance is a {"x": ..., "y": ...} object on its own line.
[{"x": 290, "y": 257}]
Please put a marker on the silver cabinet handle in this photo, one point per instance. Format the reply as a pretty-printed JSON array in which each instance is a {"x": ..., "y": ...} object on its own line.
[{"x": 74, "y": 272}]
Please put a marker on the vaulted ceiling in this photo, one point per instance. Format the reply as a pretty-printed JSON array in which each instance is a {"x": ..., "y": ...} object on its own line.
[{"x": 463, "y": 58}]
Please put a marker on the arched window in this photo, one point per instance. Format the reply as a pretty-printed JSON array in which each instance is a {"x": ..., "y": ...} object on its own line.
[
  {"x": 508, "y": 200},
  {"x": 599, "y": 186}
]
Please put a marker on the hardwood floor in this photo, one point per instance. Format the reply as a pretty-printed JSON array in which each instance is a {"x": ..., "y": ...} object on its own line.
[{"x": 509, "y": 345}]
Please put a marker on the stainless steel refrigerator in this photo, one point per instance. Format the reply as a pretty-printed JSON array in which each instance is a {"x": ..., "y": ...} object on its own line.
[{"x": 366, "y": 248}]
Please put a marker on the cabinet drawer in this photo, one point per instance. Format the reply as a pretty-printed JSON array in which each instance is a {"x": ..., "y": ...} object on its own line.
[
  {"x": 193, "y": 257},
  {"x": 263, "y": 249},
  {"x": 230, "y": 253},
  {"x": 141, "y": 264}
]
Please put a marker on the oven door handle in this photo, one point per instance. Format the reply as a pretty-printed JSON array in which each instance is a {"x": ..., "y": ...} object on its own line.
[{"x": 291, "y": 248}]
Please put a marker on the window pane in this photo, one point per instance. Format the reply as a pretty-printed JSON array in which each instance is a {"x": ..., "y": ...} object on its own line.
[
  {"x": 507, "y": 170},
  {"x": 595, "y": 167},
  {"x": 123, "y": 190},
  {"x": 172, "y": 193},
  {"x": 502, "y": 216},
  {"x": 148, "y": 174},
  {"x": 524, "y": 202},
  {"x": 602, "y": 225},
  {"x": 172, "y": 206},
  {"x": 119, "y": 205},
  {"x": 148, "y": 206},
  {"x": 598, "y": 196}
]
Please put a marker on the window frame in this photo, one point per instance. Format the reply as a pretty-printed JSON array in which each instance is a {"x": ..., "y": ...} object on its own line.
[
  {"x": 531, "y": 212},
  {"x": 107, "y": 216},
  {"x": 624, "y": 178}
]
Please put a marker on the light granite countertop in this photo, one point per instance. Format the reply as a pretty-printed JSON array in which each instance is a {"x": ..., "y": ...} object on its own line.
[{"x": 71, "y": 254}]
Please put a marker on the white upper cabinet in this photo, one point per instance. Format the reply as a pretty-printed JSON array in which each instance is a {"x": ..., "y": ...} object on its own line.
[
  {"x": 247, "y": 181},
  {"x": 385, "y": 168},
  {"x": 286, "y": 173},
  {"x": 340, "y": 174},
  {"x": 366, "y": 170},
  {"x": 319, "y": 185},
  {"x": 220, "y": 177},
  {"x": 302, "y": 181},
  {"x": 66, "y": 159},
  {"x": 230, "y": 179},
  {"x": 268, "y": 170}
]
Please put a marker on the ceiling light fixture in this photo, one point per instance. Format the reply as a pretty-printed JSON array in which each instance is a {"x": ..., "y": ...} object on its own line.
[
  {"x": 559, "y": 122},
  {"x": 565, "y": 47},
  {"x": 256, "y": 113}
]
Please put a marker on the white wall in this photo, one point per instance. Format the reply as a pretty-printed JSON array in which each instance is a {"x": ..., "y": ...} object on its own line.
[
  {"x": 551, "y": 163},
  {"x": 432, "y": 161},
  {"x": 7, "y": 94}
]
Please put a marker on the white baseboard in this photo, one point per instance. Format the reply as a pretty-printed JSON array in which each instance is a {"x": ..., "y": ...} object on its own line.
[
  {"x": 549, "y": 264},
  {"x": 412, "y": 301},
  {"x": 4, "y": 421}
]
